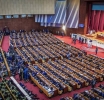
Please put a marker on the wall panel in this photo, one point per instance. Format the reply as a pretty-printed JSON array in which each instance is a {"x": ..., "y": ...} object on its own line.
[
  {"x": 19, "y": 23},
  {"x": 10, "y": 7}
]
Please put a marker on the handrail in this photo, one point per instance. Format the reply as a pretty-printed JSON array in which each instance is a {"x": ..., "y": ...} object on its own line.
[
  {"x": 10, "y": 91},
  {"x": 5, "y": 61},
  {"x": 1, "y": 40},
  {"x": 20, "y": 88},
  {"x": 2, "y": 95}
]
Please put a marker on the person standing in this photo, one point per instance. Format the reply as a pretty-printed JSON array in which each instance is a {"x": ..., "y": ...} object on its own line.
[
  {"x": 58, "y": 33},
  {"x": 26, "y": 74},
  {"x": 85, "y": 40},
  {"x": 93, "y": 83},
  {"x": 82, "y": 40},
  {"x": 79, "y": 39},
  {"x": 68, "y": 55},
  {"x": 74, "y": 40},
  {"x": 96, "y": 50},
  {"x": 6, "y": 30},
  {"x": 62, "y": 33},
  {"x": 21, "y": 73}
]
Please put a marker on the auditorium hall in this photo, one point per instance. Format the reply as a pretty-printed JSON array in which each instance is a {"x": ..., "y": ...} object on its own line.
[{"x": 51, "y": 49}]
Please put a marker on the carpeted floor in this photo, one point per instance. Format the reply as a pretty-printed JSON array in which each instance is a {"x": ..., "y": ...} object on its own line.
[
  {"x": 5, "y": 43},
  {"x": 5, "y": 46}
]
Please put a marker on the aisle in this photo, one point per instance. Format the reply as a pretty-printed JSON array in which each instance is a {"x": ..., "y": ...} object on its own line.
[{"x": 5, "y": 43}]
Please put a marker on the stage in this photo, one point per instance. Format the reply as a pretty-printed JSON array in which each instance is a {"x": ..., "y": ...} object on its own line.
[{"x": 97, "y": 38}]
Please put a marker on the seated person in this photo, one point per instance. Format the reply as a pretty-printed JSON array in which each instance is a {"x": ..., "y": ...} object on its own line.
[
  {"x": 44, "y": 73},
  {"x": 68, "y": 55},
  {"x": 50, "y": 90},
  {"x": 76, "y": 96}
]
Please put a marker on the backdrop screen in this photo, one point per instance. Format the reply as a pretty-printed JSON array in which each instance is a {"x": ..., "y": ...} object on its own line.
[
  {"x": 81, "y": 25},
  {"x": 11, "y": 7},
  {"x": 98, "y": 6}
]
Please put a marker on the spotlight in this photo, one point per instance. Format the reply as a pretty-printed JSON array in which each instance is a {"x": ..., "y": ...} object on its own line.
[{"x": 64, "y": 27}]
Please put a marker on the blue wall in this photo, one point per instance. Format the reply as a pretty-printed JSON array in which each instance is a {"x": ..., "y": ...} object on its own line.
[{"x": 98, "y": 6}]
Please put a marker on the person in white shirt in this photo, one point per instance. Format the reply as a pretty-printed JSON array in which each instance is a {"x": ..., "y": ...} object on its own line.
[
  {"x": 50, "y": 90},
  {"x": 90, "y": 43},
  {"x": 8, "y": 54}
]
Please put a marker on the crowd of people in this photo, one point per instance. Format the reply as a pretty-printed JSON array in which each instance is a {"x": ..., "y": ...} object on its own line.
[
  {"x": 17, "y": 64},
  {"x": 61, "y": 33},
  {"x": 81, "y": 39},
  {"x": 84, "y": 40}
]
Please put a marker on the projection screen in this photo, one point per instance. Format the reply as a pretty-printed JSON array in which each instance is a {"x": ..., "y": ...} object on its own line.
[{"x": 11, "y": 7}]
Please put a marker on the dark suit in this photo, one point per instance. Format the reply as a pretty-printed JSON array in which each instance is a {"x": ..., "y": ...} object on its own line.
[
  {"x": 96, "y": 50},
  {"x": 6, "y": 31}
]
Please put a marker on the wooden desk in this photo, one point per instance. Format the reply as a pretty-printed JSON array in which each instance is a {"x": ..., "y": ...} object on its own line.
[
  {"x": 66, "y": 87},
  {"x": 55, "y": 92},
  {"x": 41, "y": 87}
]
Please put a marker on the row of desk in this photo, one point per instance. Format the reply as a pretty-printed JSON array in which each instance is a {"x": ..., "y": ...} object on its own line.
[
  {"x": 29, "y": 35},
  {"x": 60, "y": 74},
  {"x": 92, "y": 94},
  {"x": 47, "y": 52},
  {"x": 56, "y": 90},
  {"x": 71, "y": 74},
  {"x": 31, "y": 40},
  {"x": 80, "y": 72},
  {"x": 88, "y": 69}
]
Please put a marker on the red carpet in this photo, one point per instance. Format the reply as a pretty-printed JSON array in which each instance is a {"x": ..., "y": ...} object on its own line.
[
  {"x": 5, "y": 46},
  {"x": 5, "y": 43}
]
